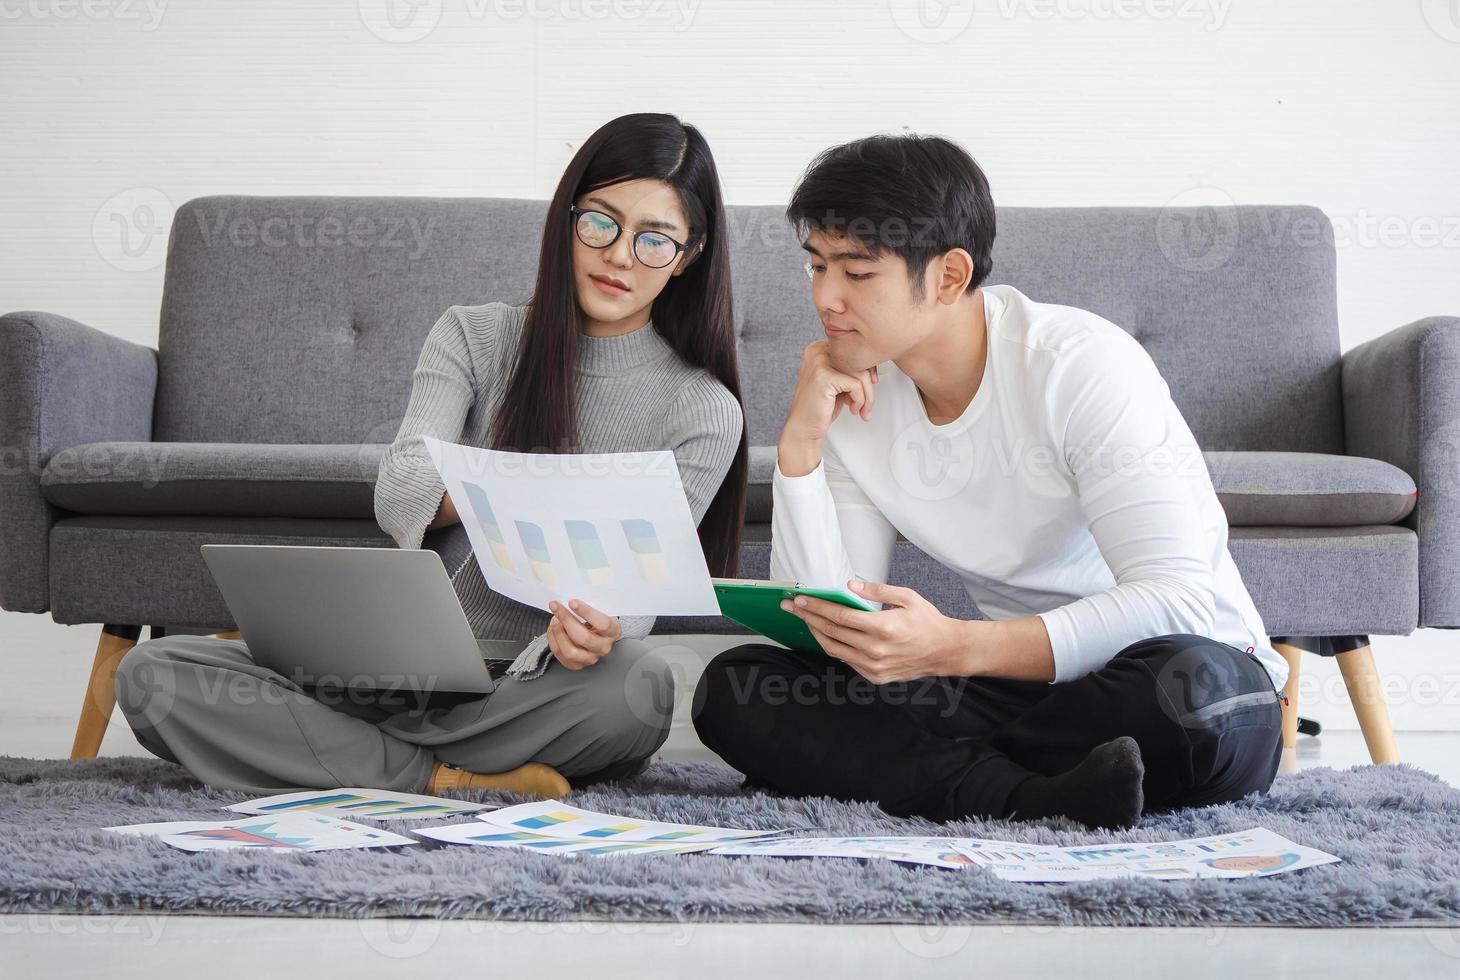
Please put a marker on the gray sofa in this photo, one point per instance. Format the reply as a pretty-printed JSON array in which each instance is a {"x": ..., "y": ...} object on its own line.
[{"x": 290, "y": 326}]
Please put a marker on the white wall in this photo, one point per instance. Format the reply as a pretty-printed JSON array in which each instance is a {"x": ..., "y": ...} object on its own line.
[{"x": 115, "y": 111}]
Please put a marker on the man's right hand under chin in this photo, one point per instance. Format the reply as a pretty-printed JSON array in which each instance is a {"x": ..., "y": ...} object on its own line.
[{"x": 821, "y": 392}]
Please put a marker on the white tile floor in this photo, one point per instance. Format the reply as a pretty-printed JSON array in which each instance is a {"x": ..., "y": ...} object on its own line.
[{"x": 37, "y": 720}]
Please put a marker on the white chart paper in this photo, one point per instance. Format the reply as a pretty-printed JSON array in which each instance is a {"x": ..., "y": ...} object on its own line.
[
  {"x": 550, "y": 818},
  {"x": 937, "y": 852},
  {"x": 285, "y": 832},
  {"x": 354, "y": 801},
  {"x": 1249, "y": 853},
  {"x": 612, "y": 529},
  {"x": 479, "y": 834},
  {"x": 1244, "y": 854}
]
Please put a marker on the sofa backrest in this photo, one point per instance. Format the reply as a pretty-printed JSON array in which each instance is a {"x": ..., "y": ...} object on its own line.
[{"x": 299, "y": 319}]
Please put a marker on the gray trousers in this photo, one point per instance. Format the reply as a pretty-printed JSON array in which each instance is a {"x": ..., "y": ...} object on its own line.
[{"x": 202, "y": 702}]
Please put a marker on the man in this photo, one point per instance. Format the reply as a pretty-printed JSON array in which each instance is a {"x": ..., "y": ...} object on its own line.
[{"x": 1034, "y": 450}]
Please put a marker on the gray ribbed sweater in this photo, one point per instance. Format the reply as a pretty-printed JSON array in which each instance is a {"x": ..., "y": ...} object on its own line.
[{"x": 634, "y": 394}]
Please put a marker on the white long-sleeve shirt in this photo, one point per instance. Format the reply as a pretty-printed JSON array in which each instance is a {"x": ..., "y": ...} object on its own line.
[{"x": 1070, "y": 488}]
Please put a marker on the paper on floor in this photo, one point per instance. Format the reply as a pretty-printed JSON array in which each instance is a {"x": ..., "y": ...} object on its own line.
[
  {"x": 937, "y": 852},
  {"x": 284, "y": 832},
  {"x": 550, "y": 818},
  {"x": 1244, "y": 854},
  {"x": 486, "y": 835},
  {"x": 353, "y": 801}
]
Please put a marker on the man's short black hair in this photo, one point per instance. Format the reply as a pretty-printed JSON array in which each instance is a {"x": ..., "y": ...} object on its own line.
[{"x": 914, "y": 196}]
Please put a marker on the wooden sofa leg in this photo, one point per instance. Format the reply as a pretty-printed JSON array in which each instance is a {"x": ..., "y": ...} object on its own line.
[
  {"x": 101, "y": 693},
  {"x": 1362, "y": 680}
]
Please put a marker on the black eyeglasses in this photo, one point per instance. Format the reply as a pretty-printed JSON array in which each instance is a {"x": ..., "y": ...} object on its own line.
[{"x": 598, "y": 230}]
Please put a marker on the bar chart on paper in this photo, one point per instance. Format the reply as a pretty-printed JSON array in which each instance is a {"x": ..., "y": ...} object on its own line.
[
  {"x": 551, "y": 818},
  {"x": 589, "y": 552},
  {"x": 612, "y": 529},
  {"x": 359, "y": 802},
  {"x": 490, "y": 529},
  {"x": 648, "y": 554}
]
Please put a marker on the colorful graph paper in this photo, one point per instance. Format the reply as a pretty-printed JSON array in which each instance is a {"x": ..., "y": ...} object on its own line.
[
  {"x": 477, "y": 498},
  {"x": 648, "y": 554}
]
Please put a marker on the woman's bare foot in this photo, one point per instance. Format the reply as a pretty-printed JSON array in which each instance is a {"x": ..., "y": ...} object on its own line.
[{"x": 532, "y": 779}]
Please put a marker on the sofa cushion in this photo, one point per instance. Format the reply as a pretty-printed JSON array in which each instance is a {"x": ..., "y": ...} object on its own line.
[
  {"x": 1309, "y": 489},
  {"x": 231, "y": 479},
  {"x": 1307, "y": 581},
  {"x": 1256, "y": 489},
  {"x": 150, "y": 570},
  {"x": 214, "y": 479}
]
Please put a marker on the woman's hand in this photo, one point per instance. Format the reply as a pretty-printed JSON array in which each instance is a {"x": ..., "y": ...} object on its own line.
[
  {"x": 581, "y": 642},
  {"x": 445, "y": 514}
]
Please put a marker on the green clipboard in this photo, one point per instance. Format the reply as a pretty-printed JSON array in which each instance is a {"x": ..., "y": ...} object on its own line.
[{"x": 756, "y": 605}]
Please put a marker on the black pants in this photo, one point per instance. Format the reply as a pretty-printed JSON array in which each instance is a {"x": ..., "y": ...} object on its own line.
[{"x": 1204, "y": 713}]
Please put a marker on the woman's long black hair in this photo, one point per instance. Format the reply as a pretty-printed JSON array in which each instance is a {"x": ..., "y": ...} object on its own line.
[{"x": 693, "y": 312}]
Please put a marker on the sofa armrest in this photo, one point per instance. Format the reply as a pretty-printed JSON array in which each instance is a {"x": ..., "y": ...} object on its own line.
[
  {"x": 1401, "y": 404},
  {"x": 62, "y": 384}
]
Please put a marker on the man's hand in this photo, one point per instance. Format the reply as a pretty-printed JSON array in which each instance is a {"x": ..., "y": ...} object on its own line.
[
  {"x": 579, "y": 643},
  {"x": 907, "y": 640},
  {"x": 821, "y": 393}
]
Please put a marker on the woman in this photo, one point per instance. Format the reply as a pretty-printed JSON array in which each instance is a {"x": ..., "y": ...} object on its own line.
[{"x": 626, "y": 345}]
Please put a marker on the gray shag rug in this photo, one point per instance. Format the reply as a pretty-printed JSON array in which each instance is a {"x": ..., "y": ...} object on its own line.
[{"x": 1396, "y": 828}]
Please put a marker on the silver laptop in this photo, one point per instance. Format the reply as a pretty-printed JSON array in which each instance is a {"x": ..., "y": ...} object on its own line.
[{"x": 380, "y": 618}]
